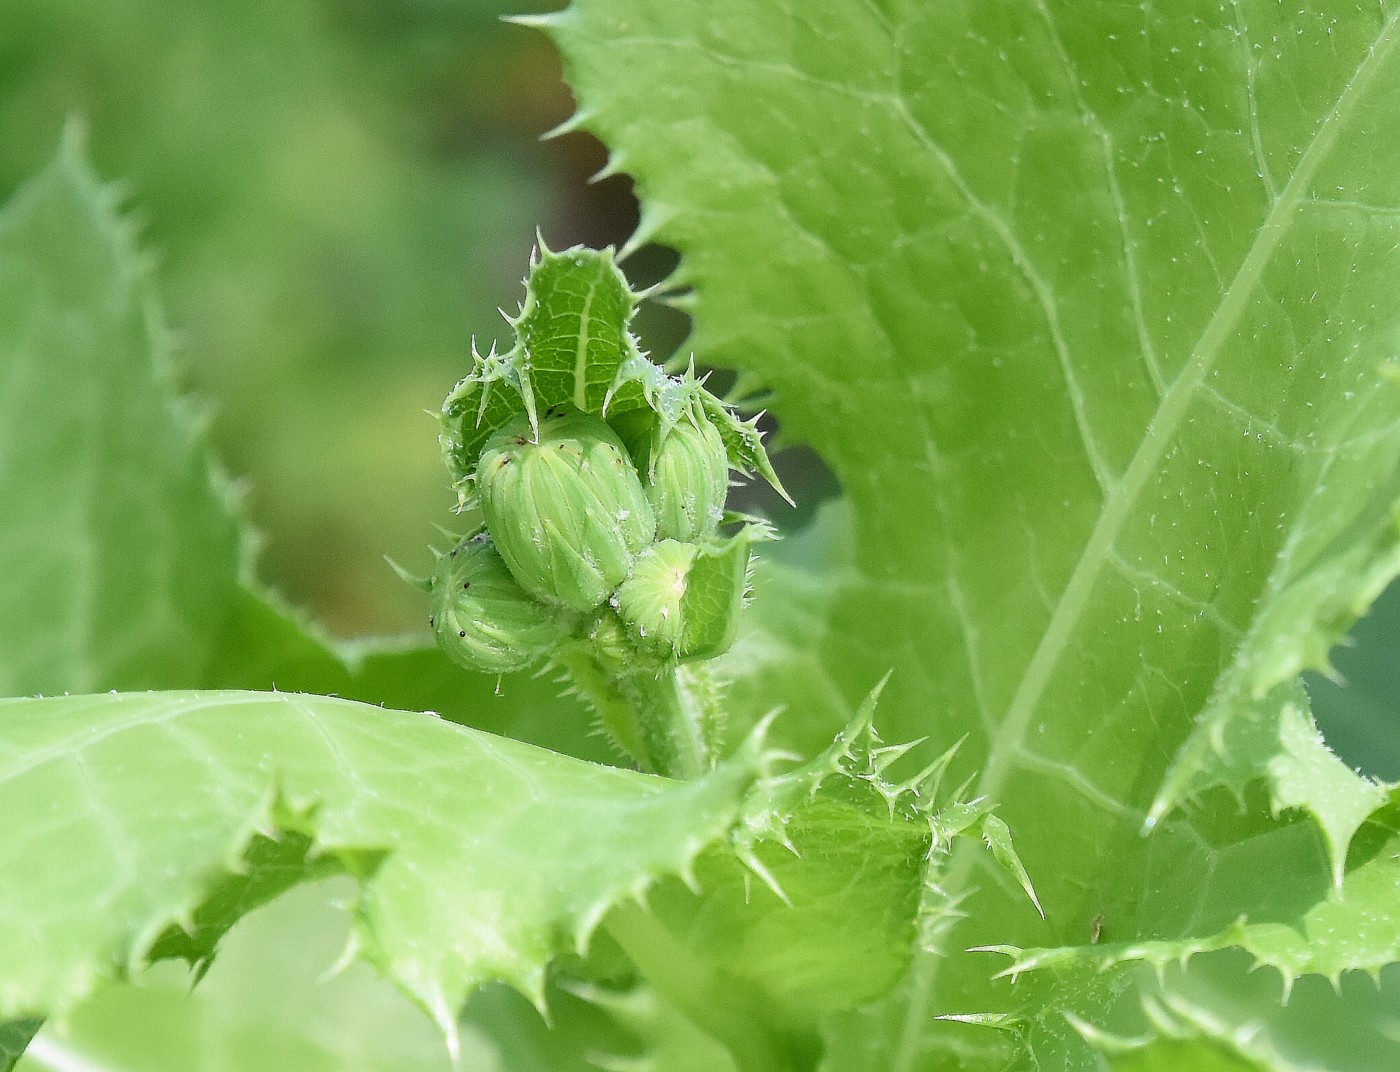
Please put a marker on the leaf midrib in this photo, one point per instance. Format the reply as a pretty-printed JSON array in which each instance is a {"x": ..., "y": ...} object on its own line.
[
  {"x": 1065, "y": 618},
  {"x": 581, "y": 353},
  {"x": 1163, "y": 426}
]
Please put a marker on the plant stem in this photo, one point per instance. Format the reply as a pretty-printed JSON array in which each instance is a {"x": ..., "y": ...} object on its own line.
[
  {"x": 672, "y": 715},
  {"x": 667, "y": 718},
  {"x": 722, "y": 1005}
]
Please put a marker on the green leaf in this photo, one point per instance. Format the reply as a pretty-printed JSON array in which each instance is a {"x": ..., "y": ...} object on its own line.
[
  {"x": 135, "y": 573},
  {"x": 14, "y": 1037},
  {"x": 1091, "y": 310},
  {"x": 1354, "y": 927},
  {"x": 571, "y": 345},
  {"x": 480, "y": 858},
  {"x": 1189, "y": 1037},
  {"x": 130, "y": 553},
  {"x": 277, "y": 1000},
  {"x": 714, "y": 595},
  {"x": 743, "y": 442},
  {"x": 573, "y": 332},
  {"x": 624, "y": 1028},
  {"x": 1323, "y": 1025},
  {"x": 817, "y": 907},
  {"x": 322, "y": 265},
  {"x": 273, "y": 1001},
  {"x": 1308, "y": 776},
  {"x": 1200, "y": 1055}
]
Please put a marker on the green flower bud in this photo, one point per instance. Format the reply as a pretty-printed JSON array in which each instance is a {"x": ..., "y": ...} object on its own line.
[
  {"x": 610, "y": 642},
  {"x": 649, "y": 601},
  {"x": 688, "y": 481},
  {"x": 682, "y": 601},
  {"x": 483, "y": 619},
  {"x": 566, "y": 509}
]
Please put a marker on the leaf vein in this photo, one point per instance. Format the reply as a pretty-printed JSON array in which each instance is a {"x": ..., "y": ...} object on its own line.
[{"x": 1170, "y": 414}]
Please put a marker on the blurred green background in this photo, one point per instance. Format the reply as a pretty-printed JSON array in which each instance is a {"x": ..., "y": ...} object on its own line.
[{"x": 337, "y": 196}]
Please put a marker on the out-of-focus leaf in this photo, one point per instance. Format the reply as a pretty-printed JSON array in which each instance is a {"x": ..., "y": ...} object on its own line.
[
  {"x": 269, "y": 1003},
  {"x": 126, "y": 566},
  {"x": 122, "y": 556},
  {"x": 339, "y": 196}
]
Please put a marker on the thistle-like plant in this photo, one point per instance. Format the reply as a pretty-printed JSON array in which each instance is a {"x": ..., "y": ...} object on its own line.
[
  {"x": 1089, "y": 306},
  {"x": 601, "y": 483}
]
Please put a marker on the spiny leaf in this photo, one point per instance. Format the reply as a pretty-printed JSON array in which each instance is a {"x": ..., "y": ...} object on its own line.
[
  {"x": 480, "y": 858},
  {"x": 484, "y": 402},
  {"x": 1306, "y": 774},
  {"x": 1354, "y": 927},
  {"x": 572, "y": 344},
  {"x": 1258, "y": 717},
  {"x": 1186, "y": 1036},
  {"x": 744, "y": 442},
  {"x": 818, "y": 904},
  {"x": 1090, "y": 310},
  {"x": 574, "y": 334},
  {"x": 278, "y": 999},
  {"x": 127, "y": 568},
  {"x": 998, "y": 838},
  {"x": 130, "y": 554}
]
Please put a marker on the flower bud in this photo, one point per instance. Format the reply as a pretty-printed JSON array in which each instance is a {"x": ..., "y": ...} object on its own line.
[
  {"x": 649, "y": 601},
  {"x": 688, "y": 480},
  {"x": 613, "y": 647},
  {"x": 483, "y": 619},
  {"x": 682, "y": 601},
  {"x": 566, "y": 509}
]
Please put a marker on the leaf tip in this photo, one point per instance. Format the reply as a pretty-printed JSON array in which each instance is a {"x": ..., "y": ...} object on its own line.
[
  {"x": 544, "y": 20},
  {"x": 997, "y": 837}
]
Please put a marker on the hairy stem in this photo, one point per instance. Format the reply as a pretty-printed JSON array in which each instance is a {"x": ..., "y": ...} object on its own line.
[{"x": 668, "y": 719}]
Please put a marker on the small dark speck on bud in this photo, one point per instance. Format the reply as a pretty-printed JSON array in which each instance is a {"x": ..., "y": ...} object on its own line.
[{"x": 462, "y": 633}]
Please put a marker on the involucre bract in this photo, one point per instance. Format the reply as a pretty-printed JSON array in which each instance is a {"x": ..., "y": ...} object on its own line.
[
  {"x": 484, "y": 620},
  {"x": 565, "y": 507}
]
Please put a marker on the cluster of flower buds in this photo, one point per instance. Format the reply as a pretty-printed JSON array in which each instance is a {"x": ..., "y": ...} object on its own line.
[
  {"x": 584, "y": 537},
  {"x": 601, "y": 483},
  {"x": 483, "y": 618}
]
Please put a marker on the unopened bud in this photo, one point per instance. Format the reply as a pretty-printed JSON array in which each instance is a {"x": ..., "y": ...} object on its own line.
[
  {"x": 682, "y": 601},
  {"x": 566, "y": 509},
  {"x": 649, "y": 601},
  {"x": 483, "y": 619},
  {"x": 688, "y": 479}
]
